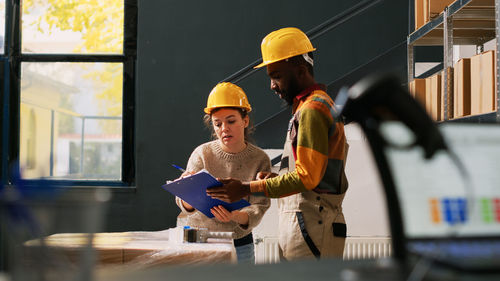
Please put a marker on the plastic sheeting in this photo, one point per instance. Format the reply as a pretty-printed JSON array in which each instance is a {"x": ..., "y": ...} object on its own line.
[{"x": 137, "y": 250}]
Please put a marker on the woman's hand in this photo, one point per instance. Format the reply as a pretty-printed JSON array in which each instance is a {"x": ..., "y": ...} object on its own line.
[
  {"x": 185, "y": 174},
  {"x": 223, "y": 215},
  {"x": 186, "y": 206}
]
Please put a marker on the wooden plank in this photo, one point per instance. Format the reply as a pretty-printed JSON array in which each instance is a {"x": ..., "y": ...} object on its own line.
[
  {"x": 482, "y": 4},
  {"x": 474, "y": 24},
  {"x": 467, "y": 33},
  {"x": 475, "y": 13}
]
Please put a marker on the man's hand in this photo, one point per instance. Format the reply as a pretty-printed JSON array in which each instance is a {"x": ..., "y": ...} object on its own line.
[
  {"x": 231, "y": 191},
  {"x": 265, "y": 175}
]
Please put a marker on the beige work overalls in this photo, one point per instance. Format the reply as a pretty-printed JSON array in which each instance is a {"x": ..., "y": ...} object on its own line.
[{"x": 310, "y": 224}]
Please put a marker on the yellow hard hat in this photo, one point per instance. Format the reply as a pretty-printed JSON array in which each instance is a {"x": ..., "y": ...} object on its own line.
[
  {"x": 227, "y": 94},
  {"x": 283, "y": 44}
]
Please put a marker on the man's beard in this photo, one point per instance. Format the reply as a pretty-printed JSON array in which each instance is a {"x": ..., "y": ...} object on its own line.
[{"x": 292, "y": 91}]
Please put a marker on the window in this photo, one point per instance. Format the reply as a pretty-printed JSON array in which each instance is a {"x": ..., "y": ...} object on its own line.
[
  {"x": 2, "y": 25},
  {"x": 72, "y": 82}
]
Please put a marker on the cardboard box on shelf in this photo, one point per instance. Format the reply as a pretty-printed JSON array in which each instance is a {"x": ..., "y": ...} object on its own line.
[
  {"x": 419, "y": 13},
  {"x": 461, "y": 88},
  {"x": 441, "y": 97},
  {"x": 437, "y": 6},
  {"x": 433, "y": 96},
  {"x": 436, "y": 93},
  {"x": 483, "y": 83},
  {"x": 428, "y": 96},
  {"x": 417, "y": 90},
  {"x": 426, "y": 10}
]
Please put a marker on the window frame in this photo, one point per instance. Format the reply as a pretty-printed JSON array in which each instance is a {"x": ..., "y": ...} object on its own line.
[{"x": 12, "y": 59}]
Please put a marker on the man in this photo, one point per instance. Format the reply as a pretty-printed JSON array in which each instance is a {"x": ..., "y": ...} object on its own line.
[{"x": 311, "y": 184}]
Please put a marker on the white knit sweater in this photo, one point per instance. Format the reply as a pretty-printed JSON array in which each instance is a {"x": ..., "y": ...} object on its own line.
[{"x": 243, "y": 166}]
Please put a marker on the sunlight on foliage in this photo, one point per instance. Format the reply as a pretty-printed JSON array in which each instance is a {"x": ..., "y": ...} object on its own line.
[{"x": 100, "y": 24}]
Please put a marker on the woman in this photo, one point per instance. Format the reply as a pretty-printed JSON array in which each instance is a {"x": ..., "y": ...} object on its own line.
[{"x": 229, "y": 155}]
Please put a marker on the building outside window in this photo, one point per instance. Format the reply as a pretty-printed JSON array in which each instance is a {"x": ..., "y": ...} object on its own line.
[{"x": 71, "y": 73}]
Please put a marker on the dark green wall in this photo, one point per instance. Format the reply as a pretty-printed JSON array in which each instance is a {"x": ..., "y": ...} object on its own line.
[{"x": 186, "y": 47}]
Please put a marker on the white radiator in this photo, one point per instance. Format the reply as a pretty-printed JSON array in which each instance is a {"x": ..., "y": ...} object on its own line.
[
  {"x": 357, "y": 248},
  {"x": 267, "y": 249}
]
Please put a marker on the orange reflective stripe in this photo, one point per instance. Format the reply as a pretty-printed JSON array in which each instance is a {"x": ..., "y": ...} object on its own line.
[
  {"x": 258, "y": 186},
  {"x": 310, "y": 166},
  {"x": 336, "y": 145}
]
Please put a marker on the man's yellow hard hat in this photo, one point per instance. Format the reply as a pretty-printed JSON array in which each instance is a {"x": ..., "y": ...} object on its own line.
[
  {"x": 283, "y": 44},
  {"x": 227, "y": 94}
]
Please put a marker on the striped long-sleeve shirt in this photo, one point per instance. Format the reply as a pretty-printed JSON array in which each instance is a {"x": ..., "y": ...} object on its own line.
[{"x": 319, "y": 148}]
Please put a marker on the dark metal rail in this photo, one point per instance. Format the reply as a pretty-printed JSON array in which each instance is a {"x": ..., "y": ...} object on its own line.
[{"x": 314, "y": 33}]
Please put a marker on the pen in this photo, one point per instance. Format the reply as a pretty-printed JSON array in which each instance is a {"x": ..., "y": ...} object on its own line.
[{"x": 178, "y": 168}]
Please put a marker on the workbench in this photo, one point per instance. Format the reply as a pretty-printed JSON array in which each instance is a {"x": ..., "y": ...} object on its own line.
[{"x": 136, "y": 249}]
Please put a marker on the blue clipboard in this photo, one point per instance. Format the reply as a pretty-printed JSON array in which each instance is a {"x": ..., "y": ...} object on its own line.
[{"x": 193, "y": 190}]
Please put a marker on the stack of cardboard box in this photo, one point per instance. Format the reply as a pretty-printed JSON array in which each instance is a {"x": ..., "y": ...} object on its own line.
[
  {"x": 417, "y": 90},
  {"x": 426, "y": 10},
  {"x": 429, "y": 92},
  {"x": 475, "y": 85},
  {"x": 471, "y": 84},
  {"x": 461, "y": 94},
  {"x": 483, "y": 83},
  {"x": 433, "y": 95}
]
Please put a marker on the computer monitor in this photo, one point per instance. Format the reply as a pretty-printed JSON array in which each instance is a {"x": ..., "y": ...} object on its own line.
[
  {"x": 438, "y": 197},
  {"x": 450, "y": 203},
  {"x": 441, "y": 182}
]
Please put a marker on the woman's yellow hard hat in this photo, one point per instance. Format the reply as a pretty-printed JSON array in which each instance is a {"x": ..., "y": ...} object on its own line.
[
  {"x": 283, "y": 44},
  {"x": 227, "y": 94}
]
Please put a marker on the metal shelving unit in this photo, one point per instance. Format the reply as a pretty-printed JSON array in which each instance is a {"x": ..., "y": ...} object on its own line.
[{"x": 464, "y": 22}]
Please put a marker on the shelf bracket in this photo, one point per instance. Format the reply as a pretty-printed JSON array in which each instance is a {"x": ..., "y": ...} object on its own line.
[
  {"x": 411, "y": 60},
  {"x": 447, "y": 64}
]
